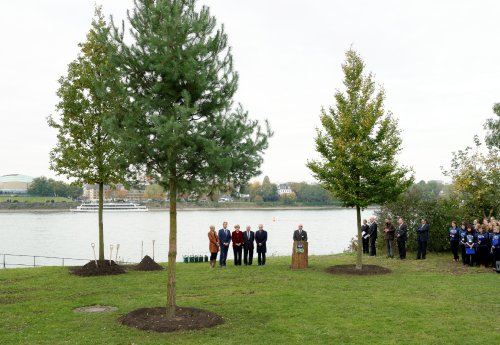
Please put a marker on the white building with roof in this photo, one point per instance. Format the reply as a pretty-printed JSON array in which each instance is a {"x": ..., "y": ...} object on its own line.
[{"x": 283, "y": 188}]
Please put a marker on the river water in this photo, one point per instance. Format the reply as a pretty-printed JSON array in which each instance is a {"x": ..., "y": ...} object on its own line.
[{"x": 70, "y": 235}]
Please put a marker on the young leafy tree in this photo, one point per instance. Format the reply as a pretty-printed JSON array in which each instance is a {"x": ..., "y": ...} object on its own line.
[
  {"x": 493, "y": 127},
  {"x": 87, "y": 95},
  {"x": 178, "y": 72},
  {"x": 476, "y": 180},
  {"x": 358, "y": 145}
]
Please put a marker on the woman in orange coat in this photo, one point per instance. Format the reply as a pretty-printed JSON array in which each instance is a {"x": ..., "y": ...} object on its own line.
[{"x": 213, "y": 245}]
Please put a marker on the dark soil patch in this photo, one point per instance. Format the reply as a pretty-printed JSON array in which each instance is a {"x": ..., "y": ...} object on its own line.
[
  {"x": 148, "y": 264},
  {"x": 155, "y": 319},
  {"x": 368, "y": 270},
  {"x": 103, "y": 268}
]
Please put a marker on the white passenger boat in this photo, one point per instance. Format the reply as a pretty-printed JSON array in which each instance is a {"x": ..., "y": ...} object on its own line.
[{"x": 110, "y": 206}]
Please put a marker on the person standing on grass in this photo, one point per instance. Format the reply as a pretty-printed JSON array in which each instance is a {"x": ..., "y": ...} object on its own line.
[
  {"x": 372, "y": 231},
  {"x": 402, "y": 236},
  {"x": 224, "y": 241},
  {"x": 462, "y": 240},
  {"x": 495, "y": 245},
  {"x": 422, "y": 238},
  {"x": 454, "y": 234},
  {"x": 492, "y": 235},
  {"x": 482, "y": 246},
  {"x": 248, "y": 239},
  {"x": 237, "y": 238},
  {"x": 365, "y": 236},
  {"x": 213, "y": 245},
  {"x": 261, "y": 240},
  {"x": 389, "y": 231},
  {"x": 470, "y": 246}
]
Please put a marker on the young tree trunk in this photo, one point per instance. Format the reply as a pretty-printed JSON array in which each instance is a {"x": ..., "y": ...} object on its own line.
[
  {"x": 101, "y": 227},
  {"x": 359, "y": 256},
  {"x": 172, "y": 250}
]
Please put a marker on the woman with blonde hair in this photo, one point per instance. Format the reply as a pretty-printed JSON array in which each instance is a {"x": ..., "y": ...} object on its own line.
[{"x": 213, "y": 245}]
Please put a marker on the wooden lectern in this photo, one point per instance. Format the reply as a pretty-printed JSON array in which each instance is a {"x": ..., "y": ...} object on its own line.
[{"x": 300, "y": 255}]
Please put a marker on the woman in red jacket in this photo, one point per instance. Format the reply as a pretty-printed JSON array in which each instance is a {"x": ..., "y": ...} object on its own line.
[{"x": 237, "y": 237}]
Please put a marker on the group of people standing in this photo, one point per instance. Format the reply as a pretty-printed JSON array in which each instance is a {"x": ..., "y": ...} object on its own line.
[
  {"x": 478, "y": 243},
  {"x": 242, "y": 242},
  {"x": 369, "y": 233}
]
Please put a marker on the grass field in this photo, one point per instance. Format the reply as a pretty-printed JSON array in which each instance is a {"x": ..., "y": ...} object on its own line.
[{"x": 435, "y": 301}]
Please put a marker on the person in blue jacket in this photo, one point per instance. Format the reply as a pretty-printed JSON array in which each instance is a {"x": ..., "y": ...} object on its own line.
[
  {"x": 461, "y": 244},
  {"x": 470, "y": 246},
  {"x": 454, "y": 234},
  {"x": 224, "y": 241},
  {"x": 495, "y": 245},
  {"x": 482, "y": 246}
]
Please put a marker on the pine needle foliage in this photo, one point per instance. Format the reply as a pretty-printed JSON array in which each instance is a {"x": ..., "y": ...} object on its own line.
[{"x": 179, "y": 124}]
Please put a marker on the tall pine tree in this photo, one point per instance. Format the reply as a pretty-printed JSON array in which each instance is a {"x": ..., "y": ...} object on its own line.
[
  {"x": 179, "y": 125},
  {"x": 88, "y": 95},
  {"x": 358, "y": 145}
]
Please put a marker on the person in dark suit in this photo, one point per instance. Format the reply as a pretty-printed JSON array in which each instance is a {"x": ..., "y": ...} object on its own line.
[
  {"x": 260, "y": 241},
  {"x": 300, "y": 234},
  {"x": 372, "y": 231},
  {"x": 422, "y": 238},
  {"x": 224, "y": 241},
  {"x": 365, "y": 237},
  {"x": 248, "y": 239},
  {"x": 402, "y": 236}
]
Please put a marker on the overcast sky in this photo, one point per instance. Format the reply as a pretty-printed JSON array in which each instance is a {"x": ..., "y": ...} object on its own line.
[{"x": 439, "y": 62}]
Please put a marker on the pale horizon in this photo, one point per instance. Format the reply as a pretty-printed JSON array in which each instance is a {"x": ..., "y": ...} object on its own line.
[{"x": 437, "y": 61}]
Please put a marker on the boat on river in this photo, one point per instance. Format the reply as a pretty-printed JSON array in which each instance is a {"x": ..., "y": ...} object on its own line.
[{"x": 110, "y": 206}]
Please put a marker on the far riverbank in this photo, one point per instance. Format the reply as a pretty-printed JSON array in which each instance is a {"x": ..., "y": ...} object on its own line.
[{"x": 67, "y": 208}]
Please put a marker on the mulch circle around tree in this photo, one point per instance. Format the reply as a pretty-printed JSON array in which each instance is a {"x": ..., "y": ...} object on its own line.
[
  {"x": 103, "y": 268},
  {"x": 368, "y": 270},
  {"x": 155, "y": 319},
  {"x": 148, "y": 264}
]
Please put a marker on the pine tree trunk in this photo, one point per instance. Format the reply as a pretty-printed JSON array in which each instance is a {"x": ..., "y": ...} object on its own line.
[
  {"x": 359, "y": 256},
  {"x": 101, "y": 227},
  {"x": 172, "y": 250}
]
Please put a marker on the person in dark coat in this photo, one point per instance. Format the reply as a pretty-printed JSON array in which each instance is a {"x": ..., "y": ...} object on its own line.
[
  {"x": 300, "y": 234},
  {"x": 461, "y": 244},
  {"x": 402, "y": 236},
  {"x": 422, "y": 238},
  {"x": 224, "y": 241},
  {"x": 389, "y": 231},
  {"x": 495, "y": 245},
  {"x": 470, "y": 246},
  {"x": 482, "y": 246},
  {"x": 365, "y": 236},
  {"x": 372, "y": 231},
  {"x": 248, "y": 239},
  {"x": 260, "y": 241},
  {"x": 454, "y": 234}
]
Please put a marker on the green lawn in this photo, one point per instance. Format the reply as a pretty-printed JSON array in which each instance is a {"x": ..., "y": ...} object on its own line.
[
  {"x": 435, "y": 301},
  {"x": 34, "y": 198}
]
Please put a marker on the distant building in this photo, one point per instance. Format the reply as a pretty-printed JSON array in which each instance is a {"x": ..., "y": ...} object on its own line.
[
  {"x": 284, "y": 189},
  {"x": 15, "y": 184},
  {"x": 91, "y": 191}
]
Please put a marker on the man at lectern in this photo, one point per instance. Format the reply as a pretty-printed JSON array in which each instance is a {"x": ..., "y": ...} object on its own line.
[{"x": 299, "y": 234}]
